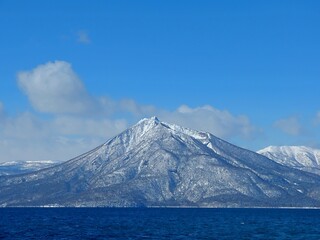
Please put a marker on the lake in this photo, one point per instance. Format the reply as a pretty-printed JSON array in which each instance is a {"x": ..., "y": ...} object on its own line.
[{"x": 158, "y": 223}]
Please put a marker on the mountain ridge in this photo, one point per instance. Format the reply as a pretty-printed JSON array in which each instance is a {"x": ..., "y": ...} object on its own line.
[
  {"x": 160, "y": 164},
  {"x": 298, "y": 157}
]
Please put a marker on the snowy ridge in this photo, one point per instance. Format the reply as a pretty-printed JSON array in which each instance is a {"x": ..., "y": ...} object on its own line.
[
  {"x": 160, "y": 164},
  {"x": 300, "y": 157},
  {"x": 19, "y": 167}
]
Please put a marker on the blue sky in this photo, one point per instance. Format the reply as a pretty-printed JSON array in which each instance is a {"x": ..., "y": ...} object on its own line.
[{"x": 75, "y": 73}]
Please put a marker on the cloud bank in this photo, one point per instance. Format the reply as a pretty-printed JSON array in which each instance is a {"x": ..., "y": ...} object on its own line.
[{"x": 77, "y": 121}]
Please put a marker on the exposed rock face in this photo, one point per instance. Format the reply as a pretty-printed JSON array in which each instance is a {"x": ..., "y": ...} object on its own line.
[{"x": 159, "y": 164}]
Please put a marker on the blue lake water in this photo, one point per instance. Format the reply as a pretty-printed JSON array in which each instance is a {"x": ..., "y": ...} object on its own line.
[{"x": 106, "y": 223}]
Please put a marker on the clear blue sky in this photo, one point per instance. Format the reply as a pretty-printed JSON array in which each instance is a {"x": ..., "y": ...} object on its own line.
[{"x": 256, "y": 59}]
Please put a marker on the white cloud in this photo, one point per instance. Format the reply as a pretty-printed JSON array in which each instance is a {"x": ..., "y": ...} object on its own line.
[
  {"x": 28, "y": 137},
  {"x": 25, "y": 127},
  {"x": 62, "y": 137},
  {"x": 207, "y": 118},
  {"x": 88, "y": 127},
  {"x": 83, "y": 37},
  {"x": 129, "y": 105},
  {"x": 289, "y": 126},
  {"x": 55, "y": 88},
  {"x": 79, "y": 122},
  {"x": 22, "y": 137}
]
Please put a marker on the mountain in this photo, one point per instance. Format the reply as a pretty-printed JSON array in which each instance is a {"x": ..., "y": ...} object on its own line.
[
  {"x": 159, "y": 164},
  {"x": 19, "y": 167},
  {"x": 299, "y": 157}
]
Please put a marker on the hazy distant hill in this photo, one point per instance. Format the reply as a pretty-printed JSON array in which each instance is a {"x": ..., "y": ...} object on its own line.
[{"x": 13, "y": 168}]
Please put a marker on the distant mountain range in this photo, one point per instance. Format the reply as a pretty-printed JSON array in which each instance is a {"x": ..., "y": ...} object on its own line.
[
  {"x": 159, "y": 164},
  {"x": 20, "y": 167},
  {"x": 299, "y": 157}
]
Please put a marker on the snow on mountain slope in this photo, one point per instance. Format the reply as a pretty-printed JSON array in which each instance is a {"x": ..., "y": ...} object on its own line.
[
  {"x": 19, "y": 167},
  {"x": 300, "y": 157},
  {"x": 159, "y": 164}
]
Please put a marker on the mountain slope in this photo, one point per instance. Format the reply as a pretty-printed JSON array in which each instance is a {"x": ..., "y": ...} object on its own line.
[
  {"x": 159, "y": 164},
  {"x": 299, "y": 157},
  {"x": 14, "y": 168}
]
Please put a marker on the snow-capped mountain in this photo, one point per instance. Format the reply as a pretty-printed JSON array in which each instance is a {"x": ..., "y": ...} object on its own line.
[
  {"x": 159, "y": 164},
  {"x": 300, "y": 157},
  {"x": 19, "y": 167}
]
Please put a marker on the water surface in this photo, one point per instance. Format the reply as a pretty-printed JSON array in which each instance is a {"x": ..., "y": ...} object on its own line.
[{"x": 106, "y": 223}]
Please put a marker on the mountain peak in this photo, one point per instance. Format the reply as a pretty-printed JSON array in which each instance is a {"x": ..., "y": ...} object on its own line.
[
  {"x": 150, "y": 120},
  {"x": 154, "y": 118},
  {"x": 146, "y": 124},
  {"x": 156, "y": 163}
]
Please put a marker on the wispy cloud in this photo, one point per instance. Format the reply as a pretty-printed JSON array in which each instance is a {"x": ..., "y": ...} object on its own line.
[
  {"x": 290, "y": 126},
  {"x": 1, "y": 108},
  {"x": 207, "y": 118},
  {"x": 317, "y": 118},
  {"x": 83, "y": 37}
]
